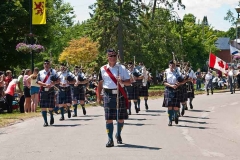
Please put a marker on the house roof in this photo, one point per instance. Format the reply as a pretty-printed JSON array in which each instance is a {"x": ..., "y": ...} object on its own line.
[{"x": 223, "y": 43}]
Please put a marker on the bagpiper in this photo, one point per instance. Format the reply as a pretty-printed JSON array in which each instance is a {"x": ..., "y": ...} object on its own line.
[
  {"x": 171, "y": 99},
  {"x": 79, "y": 90},
  {"x": 46, "y": 79},
  {"x": 64, "y": 98},
  {"x": 134, "y": 89}
]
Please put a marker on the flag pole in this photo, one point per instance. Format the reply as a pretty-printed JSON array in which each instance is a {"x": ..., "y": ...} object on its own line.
[{"x": 31, "y": 35}]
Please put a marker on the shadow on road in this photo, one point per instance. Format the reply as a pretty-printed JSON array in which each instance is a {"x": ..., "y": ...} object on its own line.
[
  {"x": 193, "y": 127},
  {"x": 139, "y": 119},
  {"x": 196, "y": 117},
  {"x": 91, "y": 116},
  {"x": 78, "y": 119},
  {"x": 138, "y": 146},
  {"x": 148, "y": 114},
  {"x": 136, "y": 124},
  {"x": 194, "y": 110},
  {"x": 66, "y": 125},
  {"x": 160, "y": 111},
  {"x": 180, "y": 120}
]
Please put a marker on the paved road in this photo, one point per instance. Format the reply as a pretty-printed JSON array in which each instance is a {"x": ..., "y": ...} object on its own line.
[{"x": 210, "y": 131}]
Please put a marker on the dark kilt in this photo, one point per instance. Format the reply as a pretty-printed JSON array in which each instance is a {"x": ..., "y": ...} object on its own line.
[
  {"x": 190, "y": 94},
  {"x": 143, "y": 91},
  {"x": 64, "y": 95},
  {"x": 79, "y": 92},
  {"x": 132, "y": 91},
  {"x": 171, "y": 98},
  {"x": 47, "y": 99},
  {"x": 182, "y": 93},
  {"x": 110, "y": 105}
]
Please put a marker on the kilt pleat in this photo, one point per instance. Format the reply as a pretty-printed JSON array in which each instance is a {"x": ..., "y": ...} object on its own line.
[
  {"x": 190, "y": 90},
  {"x": 171, "y": 98},
  {"x": 79, "y": 92},
  {"x": 132, "y": 92},
  {"x": 47, "y": 99},
  {"x": 182, "y": 93},
  {"x": 110, "y": 107},
  {"x": 143, "y": 91},
  {"x": 64, "y": 96}
]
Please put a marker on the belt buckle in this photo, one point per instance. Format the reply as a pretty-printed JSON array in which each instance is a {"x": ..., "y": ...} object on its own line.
[
  {"x": 63, "y": 89},
  {"x": 46, "y": 89},
  {"x": 114, "y": 91}
]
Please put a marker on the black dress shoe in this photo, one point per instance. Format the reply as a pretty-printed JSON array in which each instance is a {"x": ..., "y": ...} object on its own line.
[
  {"x": 170, "y": 123},
  {"x": 45, "y": 124},
  {"x": 186, "y": 108},
  {"x": 231, "y": 92},
  {"x": 119, "y": 139},
  {"x": 62, "y": 118},
  {"x": 139, "y": 109},
  {"x": 84, "y": 110},
  {"x": 191, "y": 106},
  {"x": 110, "y": 143},
  {"x": 146, "y": 106},
  {"x": 74, "y": 115},
  {"x": 176, "y": 120},
  {"x": 69, "y": 113},
  {"x": 51, "y": 121},
  {"x": 212, "y": 92}
]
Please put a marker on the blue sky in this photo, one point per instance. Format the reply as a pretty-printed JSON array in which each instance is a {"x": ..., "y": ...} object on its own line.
[{"x": 215, "y": 10}]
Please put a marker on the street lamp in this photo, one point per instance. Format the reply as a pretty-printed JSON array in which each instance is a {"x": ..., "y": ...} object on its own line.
[{"x": 238, "y": 12}]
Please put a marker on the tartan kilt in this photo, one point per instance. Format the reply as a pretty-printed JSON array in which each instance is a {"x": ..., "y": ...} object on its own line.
[
  {"x": 47, "y": 99},
  {"x": 182, "y": 93},
  {"x": 110, "y": 107},
  {"x": 143, "y": 91},
  {"x": 190, "y": 94},
  {"x": 171, "y": 98},
  {"x": 64, "y": 95},
  {"x": 132, "y": 92},
  {"x": 78, "y": 92}
]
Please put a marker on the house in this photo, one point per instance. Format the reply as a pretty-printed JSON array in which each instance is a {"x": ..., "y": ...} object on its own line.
[{"x": 224, "y": 49}]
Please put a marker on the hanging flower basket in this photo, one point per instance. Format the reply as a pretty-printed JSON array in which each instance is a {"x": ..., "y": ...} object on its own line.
[
  {"x": 23, "y": 47},
  {"x": 37, "y": 48}
]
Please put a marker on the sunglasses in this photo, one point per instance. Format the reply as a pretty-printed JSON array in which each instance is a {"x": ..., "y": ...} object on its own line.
[{"x": 112, "y": 56}]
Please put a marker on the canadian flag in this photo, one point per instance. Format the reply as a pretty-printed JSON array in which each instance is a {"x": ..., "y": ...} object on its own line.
[{"x": 217, "y": 63}]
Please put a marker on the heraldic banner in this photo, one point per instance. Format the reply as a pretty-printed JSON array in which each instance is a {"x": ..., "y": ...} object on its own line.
[{"x": 38, "y": 12}]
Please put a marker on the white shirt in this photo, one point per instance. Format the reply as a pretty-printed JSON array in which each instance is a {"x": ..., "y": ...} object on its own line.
[
  {"x": 230, "y": 73},
  {"x": 43, "y": 73},
  {"x": 107, "y": 81},
  {"x": 63, "y": 77},
  {"x": 208, "y": 76},
  {"x": 171, "y": 76},
  {"x": 192, "y": 74}
]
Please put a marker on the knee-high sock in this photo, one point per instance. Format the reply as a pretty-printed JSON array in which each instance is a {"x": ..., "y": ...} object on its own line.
[
  {"x": 109, "y": 128},
  {"x": 44, "y": 114},
  {"x": 129, "y": 105},
  {"x": 135, "y": 103},
  {"x": 62, "y": 111},
  {"x": 138, "y": 101},
  {"x": 51, "y": 114},
  {"x": 170, "y": 114},
  {"x": 183, "y": 106},
  {"x": 145, "y": 101},
  {"x": 176, "y": 113},
  {"x": 82, "y": 105},
  {"x": 119, "y": 127},
  {"x": 191, "y": 100},
  {"x": 75, "y": 109}
]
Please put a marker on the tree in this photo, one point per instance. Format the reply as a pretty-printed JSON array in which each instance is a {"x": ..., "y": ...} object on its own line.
[{"x": 80, "y": 51}]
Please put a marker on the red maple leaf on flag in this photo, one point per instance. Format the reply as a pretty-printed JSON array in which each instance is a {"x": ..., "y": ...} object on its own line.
[{"x": 221, "y": 64}]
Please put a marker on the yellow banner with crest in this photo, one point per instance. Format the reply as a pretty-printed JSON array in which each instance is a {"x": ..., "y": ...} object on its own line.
[{"x": 38, "y": 12}]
